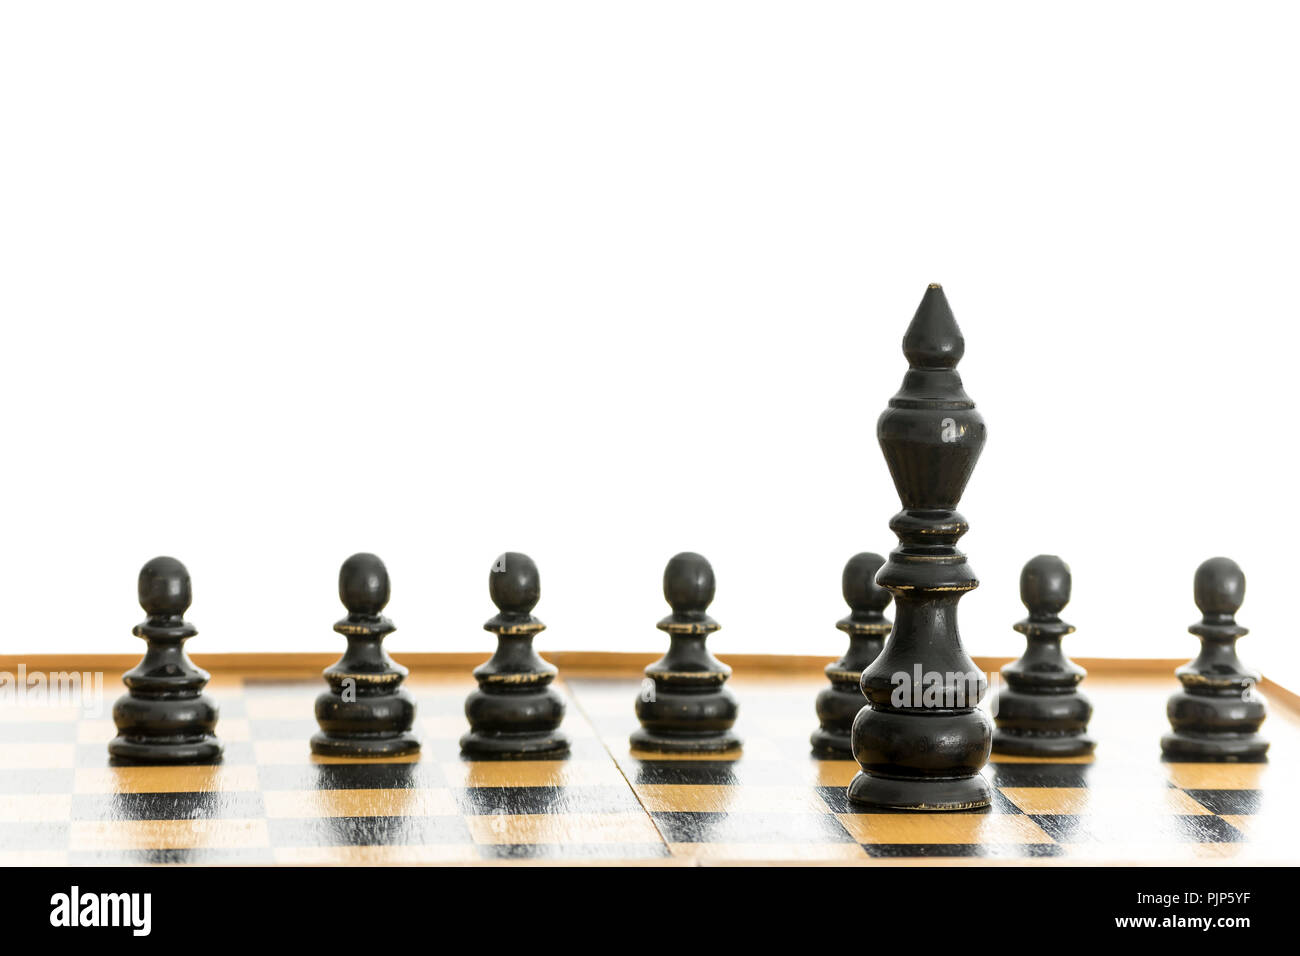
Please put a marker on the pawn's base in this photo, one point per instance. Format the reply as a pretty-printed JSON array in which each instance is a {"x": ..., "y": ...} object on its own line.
[
  {"x": 832, "y": 743},
  {"x": 507, "y": 746},
  {"x": 399, "y": 745},
  {"x": 1214, "y": 748},
  {"x": 206, "y": 749},
  {"x": 713, "y": 742},
  {"x": 1042, "y": 745},
  {"x": 893, "y": 793}
]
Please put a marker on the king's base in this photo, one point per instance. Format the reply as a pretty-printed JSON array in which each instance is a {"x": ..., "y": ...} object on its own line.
[
  {"x": 714, "y": 742},
  {"x": 206, "y": 749},
  {"x": 1214, "y": 748},
  {"x": 398, "y": 745},
  {"x": 1042, "y": 745},
  {"x": 832, "y": 743},
  {"x": 550, "y": 743},
  {"x": 894, "y": 793}
]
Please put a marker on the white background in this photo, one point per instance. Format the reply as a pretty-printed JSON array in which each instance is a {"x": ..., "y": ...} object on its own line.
[{"x": 605, "y": 281}]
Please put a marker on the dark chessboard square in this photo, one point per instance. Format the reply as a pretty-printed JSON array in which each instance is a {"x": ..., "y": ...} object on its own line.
[
  {"x": 837, "y": 799},
  {"x": 182, "y": 805},
  {"x": 719, "y": 827},
  {"x": 1071, "y": 775},
  {"x": 368, "y": 831},
  {"x": 1066, "y": 828},
  {"x": 697, "y": 772},
  {"x": 515, "y": 800},
  {"x": 1230, "y": 802},
  {"x": 350, "y": 776},
  {"x": 939, "y": 850},
  {"x": 888, "y": 850},
  {"x": 1210, "y": 829},
  {"x": 42, "y": 835},
  {"x": 1037, "y": 850},
  {"x": 573, "y": 851}
]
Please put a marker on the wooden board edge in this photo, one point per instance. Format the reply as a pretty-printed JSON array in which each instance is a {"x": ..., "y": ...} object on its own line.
[{"x": 1276, "y": 693}]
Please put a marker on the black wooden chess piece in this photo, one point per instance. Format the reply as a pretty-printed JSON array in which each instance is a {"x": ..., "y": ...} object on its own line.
[
  {"x": 867, "y": 627},
  {"x": 165, "y": 718},
  {"x": 921, "y": 740},
  {"x": 684, "y": 705},
  {"x": 1216, "y": 716},
  {"x": 365, "y": 712},
  {"x": 1041, "y": 713},
  {"x": 516, "y": 711}
]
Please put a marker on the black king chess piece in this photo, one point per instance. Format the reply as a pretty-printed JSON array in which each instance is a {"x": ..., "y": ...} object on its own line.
[
  {"x": 165, "y": 718},
  {"x": 921, "y": 740},
  {"x": 365, "y": 712},
  {"x": 1041, "y": 712},
  {"x": 516, "y": 712},
  {"x": 684, "y": 705},
  {"x": 1216, "y": 716},
  {"x": 867, "y": 627}
]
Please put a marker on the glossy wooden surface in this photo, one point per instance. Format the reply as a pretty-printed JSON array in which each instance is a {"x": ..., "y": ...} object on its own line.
[{"x": 272, "y": 801}]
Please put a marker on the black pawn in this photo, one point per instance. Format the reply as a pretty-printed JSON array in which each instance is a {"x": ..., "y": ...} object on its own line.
[
  {"x": 1216, "y": 716},
  {"x": 515, "y": 712},
  {"x": 365, "y": 712},
  {"x": 165, "y": 718},
  {"x": 1041, "y": 713},
  {"x": 867, "y": 628},
  {"x": 684, "y": 706}
]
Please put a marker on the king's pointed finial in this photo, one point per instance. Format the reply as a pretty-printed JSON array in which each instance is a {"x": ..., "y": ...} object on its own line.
[{"x": 933, "y": 339}]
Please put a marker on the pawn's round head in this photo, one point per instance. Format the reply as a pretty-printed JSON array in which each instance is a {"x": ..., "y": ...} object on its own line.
[
  {"x": 164, "y": 588},
  {"x": 514, "y": 584},
  {"x": 861, "y": 592},
  {"x": 689, "y": 583},
  {"x": 363, "y": 584},
  {"x": 1220, "y": 587},
  {"x": 1045, "y": 585}
]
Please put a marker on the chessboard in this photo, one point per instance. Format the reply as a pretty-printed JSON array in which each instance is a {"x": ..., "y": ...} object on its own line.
[{"x": 270, "y": 801}]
